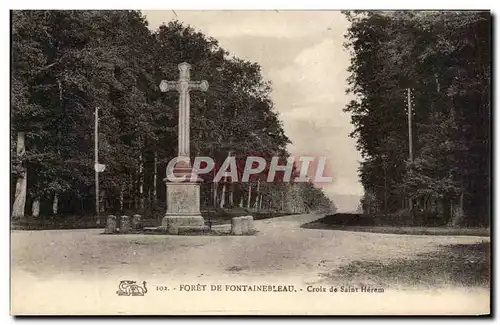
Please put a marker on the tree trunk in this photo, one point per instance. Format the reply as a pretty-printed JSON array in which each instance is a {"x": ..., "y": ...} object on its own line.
[
  {"x": 121, "y": 198},
  {"x": 249, "y": 195},
  {"x": 102, "y": 200},
  {"x": 141, "y": 182},
  {"x": 256, "y": 204},
  {"x": 458, "y": 212},
  {"x": 241, "y": 200},
  {"x": 35, "y": 208},
  {"x": 231, "y": 195},
  {"x": 385, "y": 191},
  {"x": 223, "y": 196},
  {"x": 282, "y": 203},
  {"x": 433, "y": 204},
  {"x": 134, "y": 189},
  {"x": 55, "y": 204},
  {"x": 20, "y": 196},
  {"x": 131, "y": 191},
  {"x": 214, "y": 188},
  {"x": 134, "y": 193},
  {"x": 155, "y": 176}
]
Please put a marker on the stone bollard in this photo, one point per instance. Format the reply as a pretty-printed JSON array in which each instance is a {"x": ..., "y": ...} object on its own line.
[
  {"x": 248, "y": 226},
  {"x": 110, "y": 225},
  {"x": 242, "y": 225},
  {"x": 136, "y": 222},
  {"x": 236, "y": 226},
  {"x": 124, "y": 224}
]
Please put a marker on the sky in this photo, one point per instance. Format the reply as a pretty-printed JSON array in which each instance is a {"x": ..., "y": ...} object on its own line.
[{"x": 302, "y": 54}]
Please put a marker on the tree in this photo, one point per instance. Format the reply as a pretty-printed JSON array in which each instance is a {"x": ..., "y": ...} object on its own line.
[{"x": 444, "y": 58}]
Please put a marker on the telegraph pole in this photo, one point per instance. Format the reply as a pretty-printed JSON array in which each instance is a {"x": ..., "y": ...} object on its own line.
[
  {"x": 410, "y": 136},
  {"x": 96, "y": 163},
  {"x": 410, "y": 140}
]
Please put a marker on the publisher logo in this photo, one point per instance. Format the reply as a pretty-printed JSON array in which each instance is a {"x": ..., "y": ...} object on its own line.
[{"x": 131, "y": 288}]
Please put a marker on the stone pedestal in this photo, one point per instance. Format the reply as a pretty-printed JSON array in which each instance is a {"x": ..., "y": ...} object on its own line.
[{"x": 183, "y": 208}]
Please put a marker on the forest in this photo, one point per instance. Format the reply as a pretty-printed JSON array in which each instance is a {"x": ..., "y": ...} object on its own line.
[
  {"x": 66, "y": 64},
  {"x": 439, "y": 62}
]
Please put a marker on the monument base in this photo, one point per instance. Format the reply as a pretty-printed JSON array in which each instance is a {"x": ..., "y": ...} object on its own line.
[
  {"x": 183, "y": 209},
  {"x": 175, "y": 224}
]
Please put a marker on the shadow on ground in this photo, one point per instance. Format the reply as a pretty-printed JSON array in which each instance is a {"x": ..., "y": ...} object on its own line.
[{"x": 452, "y": 265}]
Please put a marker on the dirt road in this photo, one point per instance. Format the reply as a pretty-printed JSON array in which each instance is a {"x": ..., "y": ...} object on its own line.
[{"x": 76, "y": 266}]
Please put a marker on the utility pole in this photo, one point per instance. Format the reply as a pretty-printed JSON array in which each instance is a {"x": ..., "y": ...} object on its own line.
[
  {"x": 410, "y": 137},
  {"x": 96, "y": 164},
  {"x": 410, "y": 140}
]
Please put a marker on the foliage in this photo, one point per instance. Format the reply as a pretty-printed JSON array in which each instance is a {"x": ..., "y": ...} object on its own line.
[
  {"x": 444, "y": 58},
  {"x": 65, "y": 64}
]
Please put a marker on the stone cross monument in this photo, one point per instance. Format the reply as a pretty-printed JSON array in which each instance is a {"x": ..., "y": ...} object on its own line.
[{"x": 183, "y": 198}]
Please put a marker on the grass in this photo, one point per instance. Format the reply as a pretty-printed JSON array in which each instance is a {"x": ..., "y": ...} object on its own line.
[
  {"x": 437, "y": 231},
  {"x": 215, "y": 216},
  {"x": 50, "y": 223},
  {"x": 452, "y": 265},
  {"x": 423, "y": 224}
]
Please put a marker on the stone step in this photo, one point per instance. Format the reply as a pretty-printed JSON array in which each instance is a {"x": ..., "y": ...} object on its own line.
[
  {"x": 181, "y": 230},
  {"x": 185, "y": 230},
  {"x": 151, "y": 230}
]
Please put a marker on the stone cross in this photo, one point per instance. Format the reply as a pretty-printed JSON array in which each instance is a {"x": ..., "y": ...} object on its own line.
[{"x": 183, "y": 86}]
